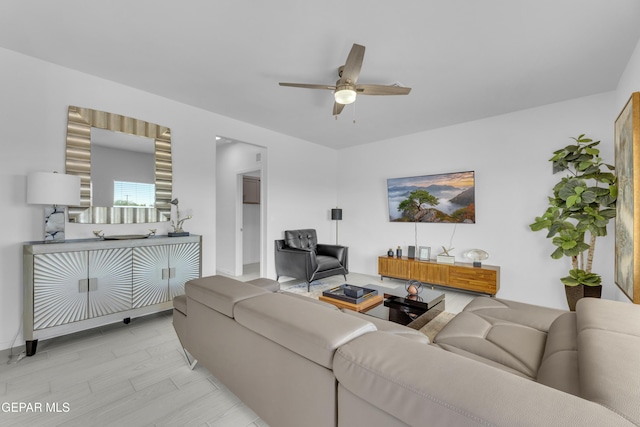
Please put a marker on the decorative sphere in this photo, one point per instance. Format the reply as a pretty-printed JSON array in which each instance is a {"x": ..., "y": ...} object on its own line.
[{"x": 413, "y": 287}]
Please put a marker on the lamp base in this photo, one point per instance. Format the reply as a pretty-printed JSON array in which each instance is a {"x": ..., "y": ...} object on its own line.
[{"x": 54, "y": 222}]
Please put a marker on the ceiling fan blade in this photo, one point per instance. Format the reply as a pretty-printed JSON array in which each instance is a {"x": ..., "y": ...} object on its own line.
[
  {"x": 337, "y": 108},
  {"x": 308, "y": 86},
  {"x": 382, "y": 90},
  {"x": 352, "y": 67}
]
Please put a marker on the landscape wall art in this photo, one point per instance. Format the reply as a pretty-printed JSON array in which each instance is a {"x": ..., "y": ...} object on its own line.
[{"x": 443, "y": 198}]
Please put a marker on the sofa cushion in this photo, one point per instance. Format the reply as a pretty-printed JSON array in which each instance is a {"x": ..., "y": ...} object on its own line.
[
  {"x": 559, "y": 366},
  {"x": 390, "y": 327},
  {"x": 533, "y": 316},
  {"x": 220, "y": 293},
  {"x": 309, "y": 329},
  {"x": 517, "y": 347},
  {"x": 608, "y": 357}
]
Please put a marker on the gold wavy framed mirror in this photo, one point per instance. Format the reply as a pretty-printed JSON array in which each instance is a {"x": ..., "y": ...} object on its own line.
[{"x": 79, "y": 161}]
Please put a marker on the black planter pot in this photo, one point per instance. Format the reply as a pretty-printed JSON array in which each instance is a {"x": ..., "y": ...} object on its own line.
[
  {"x": 574, "y": 293},
  {"x": 593, "y": 291}
]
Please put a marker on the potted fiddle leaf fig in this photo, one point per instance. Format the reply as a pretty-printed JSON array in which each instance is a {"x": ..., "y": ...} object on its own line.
[{"x": 583, "y": 203}]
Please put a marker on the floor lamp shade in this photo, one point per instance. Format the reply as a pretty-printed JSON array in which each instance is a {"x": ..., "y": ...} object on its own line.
[
  {"x": 53, "y": 189},
  {"x": 336, "y": 215}
]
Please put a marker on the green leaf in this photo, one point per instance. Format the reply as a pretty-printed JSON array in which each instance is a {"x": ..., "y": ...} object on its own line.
[
  {"x": 557, "y": 254},
  {"x": 588, "y": 197},
  {"x": 572, "y": 200},
  {"x": 569, "y": 281},
  {"x": 584, "y": 165},
  {"x": 568, "y": 245}
]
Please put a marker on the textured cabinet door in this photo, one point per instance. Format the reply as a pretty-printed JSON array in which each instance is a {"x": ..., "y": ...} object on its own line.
[
  {"x": 110, "y": 281},
  {"x": 394, "y": 267},
  {"x": 150, "y": 275},
  {"x": 474, "y": 279},
  {"x": 184, "y": 265},
  {"x": 430, "y": 273},
  {"x": 60, "y": 288}
]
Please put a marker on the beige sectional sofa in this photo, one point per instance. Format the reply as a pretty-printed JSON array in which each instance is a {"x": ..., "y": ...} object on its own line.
[{"x": 299, "y": 362}]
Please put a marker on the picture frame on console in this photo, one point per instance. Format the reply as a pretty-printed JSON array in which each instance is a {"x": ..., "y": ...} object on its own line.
[
  {"x": 424, "y": 253},
  {"x": 627, "y": 162}
]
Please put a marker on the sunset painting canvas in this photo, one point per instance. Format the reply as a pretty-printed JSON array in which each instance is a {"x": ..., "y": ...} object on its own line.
[{"x": 443, "y": 198}]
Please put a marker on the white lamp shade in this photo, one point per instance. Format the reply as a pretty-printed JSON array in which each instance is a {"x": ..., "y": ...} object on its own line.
[
  {"x": 49, "y": 188},
  {"x": 345, "y": 96}
]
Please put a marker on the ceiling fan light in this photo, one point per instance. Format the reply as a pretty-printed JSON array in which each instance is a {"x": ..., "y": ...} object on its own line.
[{"x": 345, "y": 96}]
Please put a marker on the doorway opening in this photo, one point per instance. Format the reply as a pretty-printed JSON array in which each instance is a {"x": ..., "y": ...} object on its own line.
[{"x": 240, "y": 209}]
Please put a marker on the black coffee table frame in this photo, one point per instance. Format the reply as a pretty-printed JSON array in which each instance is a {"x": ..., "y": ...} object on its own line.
[{"x": 414, "y": 311}]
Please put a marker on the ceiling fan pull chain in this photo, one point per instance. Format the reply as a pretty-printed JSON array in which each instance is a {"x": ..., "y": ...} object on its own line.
[{"x": 354, "y": 114}]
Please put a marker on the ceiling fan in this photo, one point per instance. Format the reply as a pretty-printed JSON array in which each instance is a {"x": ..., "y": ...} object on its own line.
[{"x": 346, "y": 89}]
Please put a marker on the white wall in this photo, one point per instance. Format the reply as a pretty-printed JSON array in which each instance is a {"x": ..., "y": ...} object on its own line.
[
  {"x": 509, "y": 155},
  {"x": 33, "y": 118},
  {"x": 630, "y": 79}
]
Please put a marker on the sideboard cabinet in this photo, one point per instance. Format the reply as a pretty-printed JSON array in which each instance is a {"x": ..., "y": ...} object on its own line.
[
  {"x": 485, "y": 279},
  {"x": 82, "y": 284}
]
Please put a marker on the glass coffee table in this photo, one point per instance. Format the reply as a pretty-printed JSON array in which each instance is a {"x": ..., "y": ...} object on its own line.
[{"x": 396, "y": 305}]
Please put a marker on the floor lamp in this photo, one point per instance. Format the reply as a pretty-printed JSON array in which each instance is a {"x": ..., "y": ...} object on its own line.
[
  {"x": 56, "y": 190},
  {"x": 336, "y": 215}
]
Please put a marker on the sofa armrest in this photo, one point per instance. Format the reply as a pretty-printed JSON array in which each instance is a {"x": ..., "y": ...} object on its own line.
[
  {"x": 418, "y": 383},
  {"x": 220, "y": 293}
]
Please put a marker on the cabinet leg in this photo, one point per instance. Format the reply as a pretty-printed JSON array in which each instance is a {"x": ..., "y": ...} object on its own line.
[
  {"x": 126, "y": 320},
  {"x": 31, "y": 346}
]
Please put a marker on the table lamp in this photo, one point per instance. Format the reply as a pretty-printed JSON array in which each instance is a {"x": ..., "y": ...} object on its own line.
[
  {"x": 477, "y": 256},
  {"x": 57, "y": 190}
]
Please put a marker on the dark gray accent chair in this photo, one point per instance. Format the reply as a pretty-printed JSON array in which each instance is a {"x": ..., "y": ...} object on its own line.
[{"x": 299, "y": 255}]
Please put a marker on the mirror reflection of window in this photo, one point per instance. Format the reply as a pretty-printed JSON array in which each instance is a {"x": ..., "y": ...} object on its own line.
[
  {"x": 137, "y": 194},
  {"x": 117, "y": 156}
]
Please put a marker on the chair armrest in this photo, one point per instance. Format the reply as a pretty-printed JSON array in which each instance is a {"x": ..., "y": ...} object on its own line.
[{"x": 294, "y": 262}]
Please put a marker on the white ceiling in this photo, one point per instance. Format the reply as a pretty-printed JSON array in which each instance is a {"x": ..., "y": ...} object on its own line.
[{"x": 463, "y": 59}]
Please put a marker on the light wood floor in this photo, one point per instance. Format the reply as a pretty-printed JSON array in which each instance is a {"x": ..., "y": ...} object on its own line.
[
  {"x": 131, "y": 375},
  {"x": 120, "y": 375}
]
